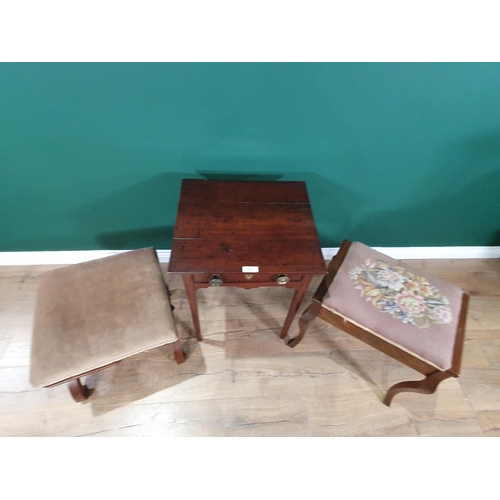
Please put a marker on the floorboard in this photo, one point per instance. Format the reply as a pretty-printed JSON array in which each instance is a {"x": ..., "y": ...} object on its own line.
[{"x": 242, "y": 380}]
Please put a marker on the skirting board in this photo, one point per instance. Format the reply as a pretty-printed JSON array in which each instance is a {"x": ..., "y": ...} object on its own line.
[{"x": 77, "y": 256}]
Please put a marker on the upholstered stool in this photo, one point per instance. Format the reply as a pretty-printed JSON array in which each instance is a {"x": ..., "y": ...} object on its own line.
[
  {"x": 410, "y": 316},
  {"x": 90, "y": 316}
]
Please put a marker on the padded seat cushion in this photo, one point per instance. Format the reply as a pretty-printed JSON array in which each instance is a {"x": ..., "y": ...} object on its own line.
[
  {"x": 95, "y": 313},
  {"x": 404, "y": 306}
]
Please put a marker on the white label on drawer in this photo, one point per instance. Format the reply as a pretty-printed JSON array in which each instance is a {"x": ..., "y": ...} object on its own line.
[{"x": 250, "y": 269}]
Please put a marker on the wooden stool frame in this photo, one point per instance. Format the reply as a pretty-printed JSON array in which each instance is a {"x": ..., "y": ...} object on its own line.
[
  {"x": 433, "y": 375},
  {"x": 81, "y": 392}
]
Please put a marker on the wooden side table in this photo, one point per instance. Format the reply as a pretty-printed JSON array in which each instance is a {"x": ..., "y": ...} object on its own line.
[{"x": 245, "y": 234}]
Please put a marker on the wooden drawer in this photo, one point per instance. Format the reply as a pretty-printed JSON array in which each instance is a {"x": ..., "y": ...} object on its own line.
[{"x": 245, "y": 278}]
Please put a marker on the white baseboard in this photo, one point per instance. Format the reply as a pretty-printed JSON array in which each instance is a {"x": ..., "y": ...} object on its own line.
[
  {"x": 63, "y": 257},
  {"x": 430, "y": 252},
  {"x": 77, "y": 256}
]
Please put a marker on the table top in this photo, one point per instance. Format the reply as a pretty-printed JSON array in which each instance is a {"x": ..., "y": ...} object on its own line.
[{"x": 224, "y": 225}]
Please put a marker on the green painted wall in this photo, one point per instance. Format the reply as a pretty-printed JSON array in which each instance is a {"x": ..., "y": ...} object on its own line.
[{"x": 92, "y": 155}]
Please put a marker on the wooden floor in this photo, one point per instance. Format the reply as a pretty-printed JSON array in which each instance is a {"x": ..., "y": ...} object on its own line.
[{"x": 242, "y": 380}]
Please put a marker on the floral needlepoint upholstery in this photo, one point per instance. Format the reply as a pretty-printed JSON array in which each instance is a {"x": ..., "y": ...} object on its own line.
[
  {"x": 401, "y": 293},
  {"x": 404, "y": 306}
]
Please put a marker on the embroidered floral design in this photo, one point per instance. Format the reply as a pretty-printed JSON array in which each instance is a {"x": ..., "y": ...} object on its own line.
[{"x": 409, "y": 298}]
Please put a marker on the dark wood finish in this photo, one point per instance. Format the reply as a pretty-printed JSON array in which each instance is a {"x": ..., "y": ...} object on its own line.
[
  {"x": 263, "y": 219},
  {"x": 178, "y": 352},
  {"x": 190, "y": 287},
  {"x": 433, "y": 375},
  {"x": 459, "y": 340},
  {"x": 249, "y": 285},
  {"x": 222, "y": 226},
  {"x": 426, "y": 386},
  {"x": 307, "y": 316},
  {"x": 295, "y": 304},
  {"x": 376, "y": 342},
  {"x": 79, "y": 392},
  {"x": 315, "y": 308},
  {"x": 201, "y": 191},
  {"x": 241, "y": 248},
  {"x": 264, "y": 278}
]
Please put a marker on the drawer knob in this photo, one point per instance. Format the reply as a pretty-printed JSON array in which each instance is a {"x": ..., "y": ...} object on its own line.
[
  {"x": 215, "y": 280},
  {"x": 283, "y": 279},
  {"x": 248, "y": 276}
]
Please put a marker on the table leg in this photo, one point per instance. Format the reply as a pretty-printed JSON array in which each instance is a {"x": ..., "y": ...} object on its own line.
[
  {"x": 298, "y": 295},
  {"x": 191, "y": 296}
]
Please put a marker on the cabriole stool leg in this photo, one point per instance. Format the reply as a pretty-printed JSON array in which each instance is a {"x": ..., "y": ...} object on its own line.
[
  {"x": 79, "y": 391},
  {"x": 426, "y": 386}
]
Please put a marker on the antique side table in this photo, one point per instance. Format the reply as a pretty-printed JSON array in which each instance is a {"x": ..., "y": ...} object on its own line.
[{"x": 245, "y": 234}]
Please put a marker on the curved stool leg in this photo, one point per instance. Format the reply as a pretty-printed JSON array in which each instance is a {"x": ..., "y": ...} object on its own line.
[
  {"x": 426, "y": 386},
  {"x": 79, "y": 391},
  {"x": 307, "y": 316}
]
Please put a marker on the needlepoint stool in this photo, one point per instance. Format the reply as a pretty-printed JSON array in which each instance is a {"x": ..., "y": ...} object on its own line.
[
  {"x": 416, "y": 319},
  {"x": 92, "y": 315}
]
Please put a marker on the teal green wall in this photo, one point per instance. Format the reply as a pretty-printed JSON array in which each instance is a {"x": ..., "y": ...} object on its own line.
[{"x": 92, "y": 155}]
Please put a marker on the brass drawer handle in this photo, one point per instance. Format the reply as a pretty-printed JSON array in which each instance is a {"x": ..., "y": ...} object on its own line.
[
  {"x": 216, "y": 280},
  {"x": 248, "y": 276},
  {"x": 283, "y": 279}
]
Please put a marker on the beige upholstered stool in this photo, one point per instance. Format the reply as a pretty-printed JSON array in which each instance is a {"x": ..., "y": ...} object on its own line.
[
  {"x": 410, "y": 316},
  {"x": 90, "y": 316}
]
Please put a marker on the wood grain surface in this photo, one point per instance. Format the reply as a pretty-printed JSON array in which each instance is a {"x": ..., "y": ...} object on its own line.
[
  {"x": 224, "y": 225},
  {"x": 242, "y": 380}
]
